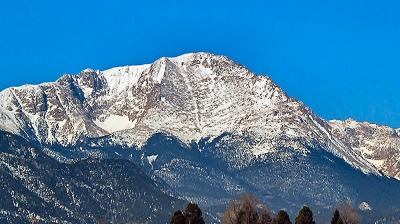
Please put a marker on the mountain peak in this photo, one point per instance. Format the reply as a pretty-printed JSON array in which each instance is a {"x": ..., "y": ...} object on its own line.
[
  {"x": 197, "y": 90},
  {"x": 191, "y": 56},
  {"x": 88, "y": 70}
]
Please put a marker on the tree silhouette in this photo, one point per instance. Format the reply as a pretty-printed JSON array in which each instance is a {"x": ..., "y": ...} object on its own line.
[
  {"x": 305, "y": 216},
  {"x": 282, "y": 218},
  {"x": 193, "y": 214},
  {"x": 178, "y": 218},
  {"x": 336, "y": 218},
  {"x": 246, "y": 210}
]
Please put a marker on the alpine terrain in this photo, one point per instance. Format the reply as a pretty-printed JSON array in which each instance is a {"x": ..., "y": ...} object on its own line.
[{"x": 135, "y": 143}]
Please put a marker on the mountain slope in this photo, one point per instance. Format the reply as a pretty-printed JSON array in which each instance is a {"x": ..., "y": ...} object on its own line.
[
  {"x": 286, "y": 178},
  {"x": 379, "y": 144},
  {"x": 38, "y": 188}
]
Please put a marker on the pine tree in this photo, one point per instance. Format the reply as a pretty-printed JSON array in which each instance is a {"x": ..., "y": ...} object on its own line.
[
  {"x": 282, "y": 218},
  {"x": 305, "y": 216},
  {"x": 336, "y": 218},
  {"x": 193, "y": 214},
  {"x": 178, "y": 218}
]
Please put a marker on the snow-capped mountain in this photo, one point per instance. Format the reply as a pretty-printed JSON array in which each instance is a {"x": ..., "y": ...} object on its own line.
[
  {"x": 193, "y": 96},
  {"x": 202, "y": 121}
]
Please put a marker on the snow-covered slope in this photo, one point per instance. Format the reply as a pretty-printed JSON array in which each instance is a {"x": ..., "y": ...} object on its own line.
[{"x": 192, "y": 97}]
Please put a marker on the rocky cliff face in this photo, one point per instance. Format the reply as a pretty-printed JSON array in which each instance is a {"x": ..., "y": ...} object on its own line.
[{"x": 379, "y": 144}]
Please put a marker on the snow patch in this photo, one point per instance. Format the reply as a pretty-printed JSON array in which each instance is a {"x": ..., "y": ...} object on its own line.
[
  {"x": 87, "y": 70},
  {"x": 377, "y": 162},
  {"x": 120, "y": 78},
  {"x": 364, "y": 206},
  {"x": 261, "y": 149},
  {"x": 151, "y": 159},
  {"x": 181, "y": 59},
  {"x": 87, "y": 91},
  {"x": 206, "y": 71},
  {"x": 114, "y": 123},
  {"x": 161, "y": 72}
]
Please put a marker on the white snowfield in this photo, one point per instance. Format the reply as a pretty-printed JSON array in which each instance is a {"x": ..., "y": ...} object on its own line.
[{"x": 192, "y": 96}]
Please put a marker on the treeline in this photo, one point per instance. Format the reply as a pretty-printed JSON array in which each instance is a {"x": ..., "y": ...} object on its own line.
[{"x": 248, "y": 210}]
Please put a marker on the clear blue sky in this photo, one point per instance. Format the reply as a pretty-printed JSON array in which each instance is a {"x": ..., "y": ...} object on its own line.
[{"x": 342, "y": 58}]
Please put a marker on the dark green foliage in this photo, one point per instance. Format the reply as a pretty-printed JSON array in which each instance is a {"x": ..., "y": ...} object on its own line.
[
  {"x": 193, "y": 214},
  {"x": 282, "y": 218},
  {"x": 178, "y": 218},
  {"x": 336, "y": 218},
  {"x": 305, "y": 216}
]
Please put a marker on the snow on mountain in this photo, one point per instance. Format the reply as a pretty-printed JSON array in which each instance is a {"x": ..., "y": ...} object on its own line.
[
  {"x": 193, "y": 96},
  {"x": 379, "y": 144}
]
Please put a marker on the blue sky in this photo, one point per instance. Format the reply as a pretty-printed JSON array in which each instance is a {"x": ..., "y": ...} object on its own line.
[{"x": 341, "y": 58}]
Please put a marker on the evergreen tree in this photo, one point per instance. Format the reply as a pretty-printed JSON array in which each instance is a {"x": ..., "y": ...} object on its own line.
[
  {"x": 305, "y": 216},
  {"x": 193, "y": 214},
  {"x": 282, "y": 218},
  {"x": 336, "y": 218},
  {"x": 178, "y": 218}
]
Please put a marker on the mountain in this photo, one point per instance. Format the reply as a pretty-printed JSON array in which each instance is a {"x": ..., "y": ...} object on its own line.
[
  {"x": 202, "y": 121},
  {"x": 192, "y": 96}
]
